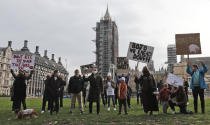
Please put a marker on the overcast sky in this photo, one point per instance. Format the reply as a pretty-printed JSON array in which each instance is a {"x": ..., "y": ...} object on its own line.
[{"x": 64, "y": 27}]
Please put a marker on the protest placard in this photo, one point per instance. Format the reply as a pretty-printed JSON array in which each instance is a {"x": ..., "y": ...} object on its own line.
[
  {"x": 87, "y": 68},
  {"x": 175, "y": 80},
  {"x": 23, "y": 62},
  {"x": 122, "y": 63},
  {"x": 140, "y": 52},
  {"x": 187, "y": 44}
]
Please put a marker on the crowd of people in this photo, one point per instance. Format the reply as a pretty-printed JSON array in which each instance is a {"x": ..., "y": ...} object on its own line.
[{"x": 91, "y": 88}]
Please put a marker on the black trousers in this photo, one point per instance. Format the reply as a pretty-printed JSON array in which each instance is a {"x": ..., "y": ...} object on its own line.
[
  {"x": 116, "y": 95},
  {"x": 91, "y": 107},
  {"x": 198, "y": 91},
  {"x": 54, "y": 104},
  {"x": 61, "y": 99},
  {"x": 129, "y": 100},
  {"x": 172, "y": 105},
  {"x": 183, "y": 109},
  {"x": 45, "y": 100},
  {"x": 17, "y": 104},
  {"x": 122, "y": 102},
  {"x": 104, "y": 98}
]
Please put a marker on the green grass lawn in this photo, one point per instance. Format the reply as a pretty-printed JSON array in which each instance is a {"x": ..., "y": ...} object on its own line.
[{"x": 135, "y": 116}]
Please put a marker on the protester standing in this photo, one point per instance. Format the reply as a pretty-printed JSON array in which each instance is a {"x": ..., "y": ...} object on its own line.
[
  {"x": 164, "y": 96},
  {"x": 76, "y": 85},
  {"x": 122, "y": 94},
  {"x": 110, "y": 87},
  {"x": 46, "y": 94},
  {"x": 127, "y": 78},
  {"x": 54, "y": 88},
  {"x": 148, "y": 85},
  {"x": 197, "y": 84},
  {"x": 63, "y": 83},
  {"x": 19, "y": 89},
  {"x": 96, "y": 89}
]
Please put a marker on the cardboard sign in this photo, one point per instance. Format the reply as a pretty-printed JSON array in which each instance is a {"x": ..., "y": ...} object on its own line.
[
  {"x": 22, "y": 62},
  {"x": 140, "y": 52},
  {"x": 175, "y": 80},
  {"x": 188, "y": 44},
  {"x": 122, "y": 63},
  {"x": 87, "y": 68}
]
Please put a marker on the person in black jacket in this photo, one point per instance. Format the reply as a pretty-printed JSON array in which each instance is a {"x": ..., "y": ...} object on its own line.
[
  {"x": 54, "y": 88},
  {"x": 63, "y": 83},
  {"x": 76, "y": 85},
  {"x": 96, "y": 89},
  {"x": 19, "y": 89},
  {"x": 46, "y": 94}
]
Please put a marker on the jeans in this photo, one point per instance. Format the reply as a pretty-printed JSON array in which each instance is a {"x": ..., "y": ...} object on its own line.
[
  {"x": 113, "y": 100},
  {"x": 77, "y": 96},
  {"x": 165, "y": 106},
  {"x": 91, "y": 107},
  {"x": 122, "y": 102},
  {"x": 198, "y": 91}
]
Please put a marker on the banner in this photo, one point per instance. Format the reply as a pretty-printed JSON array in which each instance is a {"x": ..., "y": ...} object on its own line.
[
  {"x": 140, "y": 52},
  {"x": 174, "y": 80},
  {"x": 188, "y": 44},
  {"x": 87, "y": 68},
  {"x": 22, "y": 62},
  {"x": 122, "y": 63}
]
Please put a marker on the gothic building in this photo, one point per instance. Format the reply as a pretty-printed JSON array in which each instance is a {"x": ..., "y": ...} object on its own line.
[
  {"x": 43, "y": 66},
  {"x": 5, "y": 75},
  {"x": 106, "y": 44}
]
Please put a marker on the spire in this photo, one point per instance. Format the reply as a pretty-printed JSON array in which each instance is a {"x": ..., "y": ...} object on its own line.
[{"x": 107, "y": 15}]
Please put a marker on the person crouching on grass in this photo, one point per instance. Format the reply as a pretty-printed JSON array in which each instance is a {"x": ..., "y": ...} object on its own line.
[
  {"x": 164, "y": 97},
  {"x": 122, "y": 93}
]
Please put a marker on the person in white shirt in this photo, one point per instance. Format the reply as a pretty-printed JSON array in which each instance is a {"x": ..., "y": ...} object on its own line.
[{"x": 110, "y": 87}]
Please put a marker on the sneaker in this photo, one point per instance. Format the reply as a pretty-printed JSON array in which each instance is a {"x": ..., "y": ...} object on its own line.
[
  {"x": 173, "y": 112},
  {"x": 49, "y": 111},
  {"x": 188, "y": 103},
  {"x": 108, "y": 109},
  {"x": 115, "y": 109},
  {"x": 82, "y": 112},
  {"x": 42, "y": 112}
]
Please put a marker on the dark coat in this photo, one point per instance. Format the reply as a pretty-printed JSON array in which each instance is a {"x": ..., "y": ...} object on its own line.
[
  {"x": 19, "y": 86},
  {"x": 46, "y": 90},
  {"x": 63, "y": 83},
  {"x": 96, "y": 88},
  {"x": 54, "y": 86},
  {"x": 148, "y": 86},
  {"x": 76, "y": 84}
]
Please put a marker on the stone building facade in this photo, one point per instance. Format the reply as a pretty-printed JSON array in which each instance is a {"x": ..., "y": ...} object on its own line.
[
  {"x": 5, "y": 76},
  {"x": 43, "y": 66}
]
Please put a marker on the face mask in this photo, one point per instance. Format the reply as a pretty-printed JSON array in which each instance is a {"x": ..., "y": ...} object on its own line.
[{"x": 94, "y": 72}]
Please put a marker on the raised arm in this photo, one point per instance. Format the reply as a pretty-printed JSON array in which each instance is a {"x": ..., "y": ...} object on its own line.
[
  {"x": 204, "y": 69},
  {"x": 13, "y": 74},
  {"x": 29, "y": 77},
  {"x": 188, "y": 69}
]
